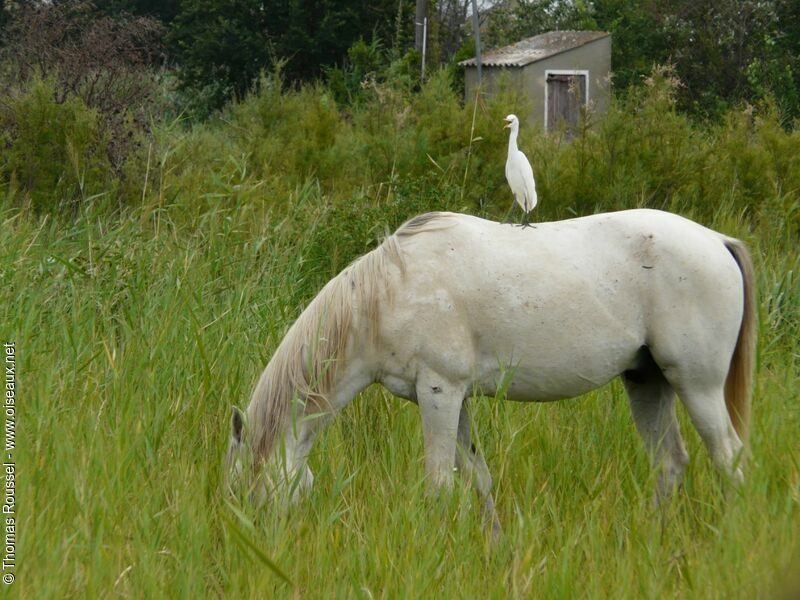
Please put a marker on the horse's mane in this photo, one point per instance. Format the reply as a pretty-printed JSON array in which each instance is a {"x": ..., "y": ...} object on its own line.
[{"x": 304, "y": 366}]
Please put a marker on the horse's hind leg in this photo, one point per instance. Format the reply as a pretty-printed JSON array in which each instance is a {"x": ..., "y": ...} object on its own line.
[
  {"x": 652, "y": 401},
  {"x": 470, "y": 463},
  {"x": 706, "y": 408},
  {"x": 699, "y": 380}
]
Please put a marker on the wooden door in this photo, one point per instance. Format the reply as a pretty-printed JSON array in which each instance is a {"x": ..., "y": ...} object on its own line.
[{"x": 566, "y": 94}]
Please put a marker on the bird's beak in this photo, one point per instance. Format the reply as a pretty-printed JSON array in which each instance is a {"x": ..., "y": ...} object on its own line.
[{"x": 507, "y": 125}]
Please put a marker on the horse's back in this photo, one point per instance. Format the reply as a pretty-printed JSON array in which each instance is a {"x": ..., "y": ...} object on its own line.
[{"x": 634, "y": 254}]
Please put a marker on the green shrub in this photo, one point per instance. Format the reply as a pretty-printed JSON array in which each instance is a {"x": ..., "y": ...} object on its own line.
[
  {"x": 53, "y": 152},
  {"x": 347, "y": 82}
]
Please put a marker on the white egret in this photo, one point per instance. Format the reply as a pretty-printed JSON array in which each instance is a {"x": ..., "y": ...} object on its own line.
[{"x": 519, "y": 173}]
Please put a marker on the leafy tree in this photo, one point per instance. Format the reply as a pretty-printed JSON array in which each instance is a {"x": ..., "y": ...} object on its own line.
[
  {"x": 163, "y": 10},
  {"x": 312, "y": 34},
  {"x": 713, "y": 44},
  {"x": 639, "y": 38},
  {"x": 3, "y": 15},
  {"x": 783, "y": 69},
  {"x": 220, "y": 46}
]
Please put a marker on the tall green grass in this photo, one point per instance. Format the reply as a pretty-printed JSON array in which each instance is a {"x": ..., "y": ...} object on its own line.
[{"x": 138, "y": 329}]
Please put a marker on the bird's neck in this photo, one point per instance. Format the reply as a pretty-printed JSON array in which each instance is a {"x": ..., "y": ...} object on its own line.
[{"x": 512, "y": 140}]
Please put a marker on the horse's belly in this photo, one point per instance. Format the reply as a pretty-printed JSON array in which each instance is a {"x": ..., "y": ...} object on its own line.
[
  {"x": 529, "y": 388},
  {"x": 547, "y": 383},
  {"x": 552, "y": 367}
]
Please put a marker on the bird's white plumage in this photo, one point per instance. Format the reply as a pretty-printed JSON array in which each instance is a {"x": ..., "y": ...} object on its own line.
[{"x": 518, "y": 170}]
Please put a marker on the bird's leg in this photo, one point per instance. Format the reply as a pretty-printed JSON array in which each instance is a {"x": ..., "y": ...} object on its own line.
[{"x": 525, "y": 222}]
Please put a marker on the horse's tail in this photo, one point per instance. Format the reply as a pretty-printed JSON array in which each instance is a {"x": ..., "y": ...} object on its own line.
[{"x": 739, "y": 383}]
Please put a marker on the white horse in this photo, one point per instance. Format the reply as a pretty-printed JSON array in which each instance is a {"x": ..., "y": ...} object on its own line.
[{"x": 449, "y": 303}]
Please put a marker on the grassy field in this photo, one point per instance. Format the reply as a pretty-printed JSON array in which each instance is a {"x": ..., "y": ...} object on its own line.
[
  {"x": 134, "y": 338},
  {"x": 137, "y": 330}
]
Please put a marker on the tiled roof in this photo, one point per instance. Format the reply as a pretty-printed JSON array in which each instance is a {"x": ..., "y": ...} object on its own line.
[{"x": 536, "y": 48}]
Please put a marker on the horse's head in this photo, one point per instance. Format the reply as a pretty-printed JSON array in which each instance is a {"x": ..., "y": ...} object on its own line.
[
  {"x": 278, "y": 476},
  {"x": 239, "y": 458}
]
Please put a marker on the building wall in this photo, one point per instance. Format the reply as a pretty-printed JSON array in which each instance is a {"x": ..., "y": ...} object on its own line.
[
  {"x": 594, "y": 57},
  {"x": 493, "y": 78}
]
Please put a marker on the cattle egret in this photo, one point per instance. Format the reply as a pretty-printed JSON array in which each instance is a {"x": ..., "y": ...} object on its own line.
[{"x": 519, "y": 173}]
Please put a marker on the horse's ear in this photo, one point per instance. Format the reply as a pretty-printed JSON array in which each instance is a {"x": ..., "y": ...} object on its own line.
[{"x": 237, "y": 424}]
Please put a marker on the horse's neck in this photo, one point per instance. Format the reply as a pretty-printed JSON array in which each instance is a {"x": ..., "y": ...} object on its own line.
[{"x": 354, "y": 375}]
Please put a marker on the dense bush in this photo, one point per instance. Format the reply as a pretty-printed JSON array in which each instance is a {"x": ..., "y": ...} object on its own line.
[
  {"x": 77, "y": 93},
  {"x": 53, "y": 152}
]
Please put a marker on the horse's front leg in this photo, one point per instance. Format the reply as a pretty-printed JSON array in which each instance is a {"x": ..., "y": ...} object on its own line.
[{"x": 440, "y": 404}]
